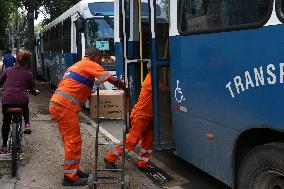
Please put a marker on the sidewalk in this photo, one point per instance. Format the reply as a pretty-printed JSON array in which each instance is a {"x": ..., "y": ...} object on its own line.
[{"x": 42, "y": 166}]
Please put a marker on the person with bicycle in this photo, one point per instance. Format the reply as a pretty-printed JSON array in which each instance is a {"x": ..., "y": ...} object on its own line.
[
  {"x": 17, "y": 80},
  {"x": 65, "y": 104}
]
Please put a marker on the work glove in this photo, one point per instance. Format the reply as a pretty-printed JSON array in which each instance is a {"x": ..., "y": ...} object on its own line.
[{"x": 121, "y": 85}]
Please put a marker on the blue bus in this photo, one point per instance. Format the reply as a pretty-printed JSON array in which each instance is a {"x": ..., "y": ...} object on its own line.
[
  {"x": 89, "y": 23},
  {"x": 223, "y": 64}
]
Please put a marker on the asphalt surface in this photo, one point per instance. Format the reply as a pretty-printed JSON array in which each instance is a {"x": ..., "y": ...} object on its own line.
[{"x": 42, "y": 164}]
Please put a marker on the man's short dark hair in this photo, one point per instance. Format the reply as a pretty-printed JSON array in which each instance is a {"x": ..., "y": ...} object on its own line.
[
  {"x": 93, "y": 52},
  {"x": 8, "y": 51}
]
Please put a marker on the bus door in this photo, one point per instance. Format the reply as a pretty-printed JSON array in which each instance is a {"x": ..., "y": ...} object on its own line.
[
  {"x": 163, "y": 129},
  {"x": 135, "y": 58}
]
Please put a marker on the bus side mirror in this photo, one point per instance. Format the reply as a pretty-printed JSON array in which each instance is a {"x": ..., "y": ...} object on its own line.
[{"x": 80, "y": 24}]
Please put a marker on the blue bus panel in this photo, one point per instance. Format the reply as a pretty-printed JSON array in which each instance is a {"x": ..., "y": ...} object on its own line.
[
  {"x": 56, "y": 64},
  {"x": 223, "y": 84}
]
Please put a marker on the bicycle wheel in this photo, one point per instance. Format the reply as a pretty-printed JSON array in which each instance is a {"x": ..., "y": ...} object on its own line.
[{"x": 14, "y": 149}]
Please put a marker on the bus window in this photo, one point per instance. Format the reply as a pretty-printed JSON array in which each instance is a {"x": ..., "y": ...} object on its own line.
[
  {"x": 59, "y": 29},
  {"x": 67, "y": 35},
  {"x": 280, "y": 10},
  {"x": 49, "y": 40},
  {"x": 210, "y": 15},
  {"x": 105, "y": 8},
  {"x": 53, "y": 39},
  {"x": 127, "y": 24},
  {"x": 132, "y": 37},
  {"x": 162, "y": 29}
]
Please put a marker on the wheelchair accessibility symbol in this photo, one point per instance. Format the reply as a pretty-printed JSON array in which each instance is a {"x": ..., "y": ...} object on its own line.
[{"x": 178, "y": 93}]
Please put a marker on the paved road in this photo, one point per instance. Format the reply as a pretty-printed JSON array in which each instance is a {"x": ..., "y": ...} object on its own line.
[{"x": 43, "y": 156}]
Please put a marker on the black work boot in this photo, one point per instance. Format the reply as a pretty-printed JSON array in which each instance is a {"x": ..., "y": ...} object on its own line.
[
  {"x": 78, "y": 182},
  {"x": 82, "y": 174},
  {"x": 109, "y": 165}
]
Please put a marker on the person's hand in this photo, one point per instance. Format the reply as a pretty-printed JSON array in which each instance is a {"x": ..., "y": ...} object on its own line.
[
  {"x": 120, "y": 85},
  {"x": 126, "y": 92}
]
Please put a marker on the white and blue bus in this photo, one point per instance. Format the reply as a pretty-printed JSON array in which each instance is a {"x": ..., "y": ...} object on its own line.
[
  {"x": 89, "y": 23},
  {"x": 223, "y": 61}
]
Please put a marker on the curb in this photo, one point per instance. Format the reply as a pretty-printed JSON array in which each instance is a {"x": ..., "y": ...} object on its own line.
[
  {"x": 7, "y": 183},
  {"x": 92, "y": 130}
]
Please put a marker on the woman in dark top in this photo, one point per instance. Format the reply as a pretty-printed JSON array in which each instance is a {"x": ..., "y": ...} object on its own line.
[{"x": 17, "y": 81}]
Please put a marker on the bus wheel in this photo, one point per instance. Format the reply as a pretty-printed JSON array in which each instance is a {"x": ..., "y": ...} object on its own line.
[{"x": 263, "y": 168}]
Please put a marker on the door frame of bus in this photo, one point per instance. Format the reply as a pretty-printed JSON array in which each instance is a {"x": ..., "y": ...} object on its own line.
[
  {"x": 156, "y": 63},
  {"x": 128, "y": 56},
  {"x": 154, "y": 60}
]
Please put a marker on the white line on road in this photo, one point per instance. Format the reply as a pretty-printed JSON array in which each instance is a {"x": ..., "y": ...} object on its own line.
[
  {"x": 102, "y": 130},
  {"x": 91, "y": 130}
]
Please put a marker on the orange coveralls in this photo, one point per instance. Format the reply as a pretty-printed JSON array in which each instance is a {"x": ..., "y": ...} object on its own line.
[
  {"x": 141, "y": 128},
  {"x": 72, "y": 92}
]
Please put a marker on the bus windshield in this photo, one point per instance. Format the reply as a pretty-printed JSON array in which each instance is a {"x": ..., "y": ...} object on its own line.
[
  {"x": 99, "y": 34},
  {"x": 105, "y": 8}
]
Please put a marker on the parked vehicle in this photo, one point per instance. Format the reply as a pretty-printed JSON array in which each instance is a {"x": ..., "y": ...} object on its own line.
[
  {"x": 223, "y": 64},
  {"x": 64, "y": 40}
]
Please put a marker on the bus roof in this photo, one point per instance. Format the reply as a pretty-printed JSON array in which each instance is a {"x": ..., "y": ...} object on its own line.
[{"x": 81, "y": 7}]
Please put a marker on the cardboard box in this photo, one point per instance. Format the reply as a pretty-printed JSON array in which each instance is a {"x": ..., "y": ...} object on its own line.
[{"x": 111, "y": 104}]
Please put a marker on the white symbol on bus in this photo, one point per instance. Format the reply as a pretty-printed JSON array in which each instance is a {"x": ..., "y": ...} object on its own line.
[
  {"x": 178, "y": 93},
  {"x": 131, "y": 85},
  {"x": 57, "y": 59}
]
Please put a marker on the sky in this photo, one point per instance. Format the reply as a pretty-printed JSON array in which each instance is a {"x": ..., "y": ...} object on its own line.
[{"x": 40, "y": 16}]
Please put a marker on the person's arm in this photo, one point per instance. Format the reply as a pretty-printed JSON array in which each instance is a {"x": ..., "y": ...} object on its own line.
[
  {"x": 102, "y": 75},
  {"x": 117, "y": 82},
  {"x": 3, "y": 78}
]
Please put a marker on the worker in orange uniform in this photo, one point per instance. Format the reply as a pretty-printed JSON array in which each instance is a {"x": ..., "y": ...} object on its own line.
[
  {"x": 72, "y": 92},
  {"x": 141, "y": 128}
]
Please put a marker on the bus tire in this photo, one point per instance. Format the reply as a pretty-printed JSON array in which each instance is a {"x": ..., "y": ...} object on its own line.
[{"x": 262, "y": 168}]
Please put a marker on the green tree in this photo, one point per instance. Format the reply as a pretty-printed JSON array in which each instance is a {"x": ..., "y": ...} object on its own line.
[
  {"x": 6, "y": 10},
  {"x": 56, "y": 7},
  {"x": 8, "y": 19}
]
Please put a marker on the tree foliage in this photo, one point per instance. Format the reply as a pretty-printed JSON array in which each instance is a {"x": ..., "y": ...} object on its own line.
[
  {"x": 6, "y": 8},
  {"x": 56, "y": 7},
  {"x": 7, "y": 14}
]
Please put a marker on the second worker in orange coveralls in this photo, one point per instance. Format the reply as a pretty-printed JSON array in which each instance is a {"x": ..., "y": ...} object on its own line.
[
  {"x": 141, "y": 128},
  {"x": 72, "y": 92}
]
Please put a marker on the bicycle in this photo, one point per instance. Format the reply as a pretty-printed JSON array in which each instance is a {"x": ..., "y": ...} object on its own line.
[{"x": 14, "y": 145}]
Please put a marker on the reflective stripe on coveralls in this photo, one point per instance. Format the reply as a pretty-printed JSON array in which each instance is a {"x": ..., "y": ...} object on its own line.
[
  {"x": 146, "y": 151},
  {"x": 70, "y": 162},
  {"x": 143, "y": 158},
  {"x": 71, "y": 171},
  {"x": 117, "y": 153},
  {"x": 101, "y": 78},
  {"x": 69, "y": 97}
]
